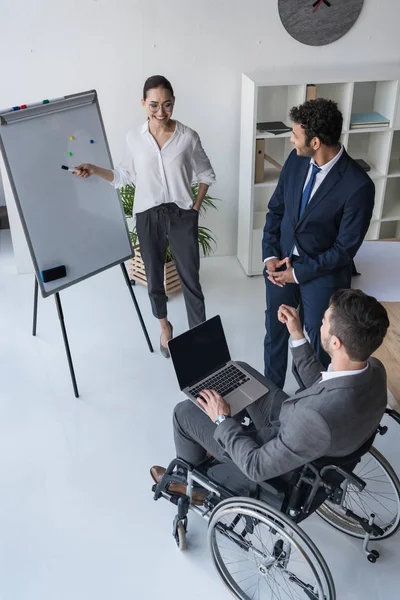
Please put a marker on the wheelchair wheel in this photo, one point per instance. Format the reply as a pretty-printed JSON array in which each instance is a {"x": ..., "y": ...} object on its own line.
[
  {"x": 381, "y": 497},
  {"x": 260, "y": 553},
  {"x": 181, "y": 536}
]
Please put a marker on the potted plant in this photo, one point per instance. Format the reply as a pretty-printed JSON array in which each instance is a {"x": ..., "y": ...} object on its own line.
[{"x": 171, "y": 279}]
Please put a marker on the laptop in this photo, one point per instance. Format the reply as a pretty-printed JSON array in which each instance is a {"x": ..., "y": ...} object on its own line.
[{"x": 202, "y": 360}]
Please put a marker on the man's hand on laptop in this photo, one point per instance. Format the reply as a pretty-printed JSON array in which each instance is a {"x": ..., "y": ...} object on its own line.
[
  {"x": 290, "y": 317},
  {"x": 213, "y": 404}
]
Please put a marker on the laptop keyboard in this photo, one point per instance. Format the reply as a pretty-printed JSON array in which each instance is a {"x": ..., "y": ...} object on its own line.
[{"x": 224, "y": 382}]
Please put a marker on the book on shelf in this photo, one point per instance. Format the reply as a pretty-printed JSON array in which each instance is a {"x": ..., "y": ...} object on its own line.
[
  {"x": 364, "y": 165},
  {"x": 275, "y": 127},
  {"x": 368, "y": 119},
  {"x": 369, "y": 125}
]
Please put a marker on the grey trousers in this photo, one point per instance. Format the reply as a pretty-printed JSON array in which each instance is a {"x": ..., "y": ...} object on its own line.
[
  {"x": 180, "y": 227},
  {"x": 194, "y": 430}
]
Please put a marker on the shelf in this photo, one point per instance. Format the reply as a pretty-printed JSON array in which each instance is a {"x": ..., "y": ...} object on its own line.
[
  {"x": 392, "y": 213},
  {"x": 389, "y": 230},
  {"x": 374, "y": 148},
  {"x": 375, "y": 96},
  {"x": 275, "y": 102},
  {"x": 391, "y": 203},
  {"x": 373, "y": 173}
]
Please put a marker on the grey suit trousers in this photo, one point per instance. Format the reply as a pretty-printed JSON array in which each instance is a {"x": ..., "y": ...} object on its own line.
[
  {"x": 194, "y": 430},
  {"x": 180, "y": 227}
]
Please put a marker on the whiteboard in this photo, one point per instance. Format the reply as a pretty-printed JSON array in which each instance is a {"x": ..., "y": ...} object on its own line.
[{"x": 78, "y": 223}]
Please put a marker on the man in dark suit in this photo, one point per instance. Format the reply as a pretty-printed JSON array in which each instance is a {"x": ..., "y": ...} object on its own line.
[{"x": 317, "y": 219}]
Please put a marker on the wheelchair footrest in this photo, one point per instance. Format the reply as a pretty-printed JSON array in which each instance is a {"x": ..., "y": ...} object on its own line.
[{"x": 173, "y": 498}]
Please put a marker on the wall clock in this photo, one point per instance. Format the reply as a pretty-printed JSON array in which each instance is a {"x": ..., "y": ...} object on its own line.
[{"x": 318, "y": 22}]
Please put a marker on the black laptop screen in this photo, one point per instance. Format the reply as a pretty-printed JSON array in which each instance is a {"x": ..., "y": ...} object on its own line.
[{"x": 199, "y": 351}]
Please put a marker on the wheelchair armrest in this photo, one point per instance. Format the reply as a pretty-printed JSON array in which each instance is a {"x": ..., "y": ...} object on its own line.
[{"x": 350, "y": 477}]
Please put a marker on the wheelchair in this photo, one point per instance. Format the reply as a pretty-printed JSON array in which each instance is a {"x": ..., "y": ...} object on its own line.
[{"x": 254, "y": 534}]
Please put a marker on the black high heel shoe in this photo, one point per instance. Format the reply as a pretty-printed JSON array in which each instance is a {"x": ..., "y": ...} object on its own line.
[{"x": 164, "y": 351}]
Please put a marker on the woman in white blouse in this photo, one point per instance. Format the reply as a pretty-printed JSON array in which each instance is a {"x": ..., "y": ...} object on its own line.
[{"x": 162, "y": 160}]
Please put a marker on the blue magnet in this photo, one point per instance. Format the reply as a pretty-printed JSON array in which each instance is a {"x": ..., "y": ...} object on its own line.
[{"x": 92, "y": 141}]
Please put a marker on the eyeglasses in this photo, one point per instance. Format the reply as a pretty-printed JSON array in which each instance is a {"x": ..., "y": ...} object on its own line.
[{"x": 167, "y": 106}]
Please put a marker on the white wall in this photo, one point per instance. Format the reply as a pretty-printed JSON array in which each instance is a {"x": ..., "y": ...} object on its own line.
[{"x": 54, "y": 48}]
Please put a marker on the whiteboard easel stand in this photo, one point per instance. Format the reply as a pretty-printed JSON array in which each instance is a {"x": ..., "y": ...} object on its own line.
[
  {"x": 64, "y": 330},
  {"x": 54, "y": 120}
]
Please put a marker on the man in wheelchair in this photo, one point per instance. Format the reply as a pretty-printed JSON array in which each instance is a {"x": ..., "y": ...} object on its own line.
[
  {"x": 334, "y": 416},
  {"x": 300, "y": 454}
]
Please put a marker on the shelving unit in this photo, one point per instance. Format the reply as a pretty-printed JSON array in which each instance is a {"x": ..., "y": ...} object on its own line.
[{"x": 268, "y": 97}]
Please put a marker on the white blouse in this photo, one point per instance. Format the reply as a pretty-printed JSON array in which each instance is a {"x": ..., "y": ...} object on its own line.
[{"x": 165, "y": 175}]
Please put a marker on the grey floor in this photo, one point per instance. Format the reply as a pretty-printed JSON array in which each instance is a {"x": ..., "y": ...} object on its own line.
[{"x": 77, "y": 519}]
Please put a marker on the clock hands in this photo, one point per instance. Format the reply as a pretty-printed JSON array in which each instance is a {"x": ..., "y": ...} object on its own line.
[{"x": 318, "y": 3}]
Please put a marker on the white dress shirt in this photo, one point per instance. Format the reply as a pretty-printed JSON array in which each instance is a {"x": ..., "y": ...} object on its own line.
[
  {"x": 328, "y": 374},
  {"x": 165, "y": 175},
  {"x": 319, "y": 178}
]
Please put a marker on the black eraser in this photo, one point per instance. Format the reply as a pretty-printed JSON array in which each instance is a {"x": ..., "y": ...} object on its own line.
[
  {"x": 64, "y": 167},
  {"x": 53, "y": 274}
]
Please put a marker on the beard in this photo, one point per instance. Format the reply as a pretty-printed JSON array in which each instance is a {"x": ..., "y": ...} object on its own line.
[
  {"x": 325, "y": 343},
  {"x": 305, "y": 151}
]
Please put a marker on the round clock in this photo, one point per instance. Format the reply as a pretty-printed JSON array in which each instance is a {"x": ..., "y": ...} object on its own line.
[{"x": 318, "y": 22}]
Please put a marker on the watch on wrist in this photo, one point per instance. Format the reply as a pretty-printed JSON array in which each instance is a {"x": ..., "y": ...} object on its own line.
[{"x": 220, "y": 418}]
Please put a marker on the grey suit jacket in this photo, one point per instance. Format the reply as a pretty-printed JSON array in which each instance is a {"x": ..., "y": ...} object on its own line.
[{"x": 332, "y": 418}]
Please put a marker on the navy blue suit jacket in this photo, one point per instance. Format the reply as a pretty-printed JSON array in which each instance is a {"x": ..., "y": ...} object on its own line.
[{"x": 332, "y": 227}]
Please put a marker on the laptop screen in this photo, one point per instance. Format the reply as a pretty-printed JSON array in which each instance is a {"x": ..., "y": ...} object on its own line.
[{"x": 199, "y": 351}]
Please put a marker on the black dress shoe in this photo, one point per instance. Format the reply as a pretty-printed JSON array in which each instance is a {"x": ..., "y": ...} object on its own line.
[{"x": 164, "y": 351}]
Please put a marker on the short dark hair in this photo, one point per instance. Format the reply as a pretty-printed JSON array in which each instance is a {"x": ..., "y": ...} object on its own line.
[
  {"x": 359, "y": 321},
  {"x": 156, "y": 81},
  {"x": 319, "y": 118}
]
